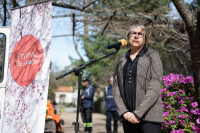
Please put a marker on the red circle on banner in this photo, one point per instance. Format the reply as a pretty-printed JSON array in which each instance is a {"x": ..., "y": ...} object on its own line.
[{"x": 26, "y": 60}]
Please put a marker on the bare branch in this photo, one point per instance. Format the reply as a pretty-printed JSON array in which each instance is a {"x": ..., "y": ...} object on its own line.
[
  {"x": 89, "y": 4},
  {"x": 59, "y": 4},
  {"x": 76, "y": 48},
  {"x": 55, "y": 3},
  {"x": 128, "y": 5},
  {"x": 110, "y": 18},
  {"x": 104, "y": 28},
  {"x": 184, "y": 12}
]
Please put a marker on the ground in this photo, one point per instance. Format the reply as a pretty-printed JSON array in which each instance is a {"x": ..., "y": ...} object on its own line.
[{"x": 69, "y": 116}]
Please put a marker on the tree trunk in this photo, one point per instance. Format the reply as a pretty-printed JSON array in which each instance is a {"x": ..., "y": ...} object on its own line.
[
  {"x": 194, "y": 37},
  {"x": 195, "y": 57}
]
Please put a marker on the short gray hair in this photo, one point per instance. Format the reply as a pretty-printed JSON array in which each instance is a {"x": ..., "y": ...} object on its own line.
[{"x": 143, "y": 29}]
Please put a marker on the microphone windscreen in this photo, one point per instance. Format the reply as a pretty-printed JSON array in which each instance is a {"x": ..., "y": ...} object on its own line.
[{"x": 123, "y": 41}]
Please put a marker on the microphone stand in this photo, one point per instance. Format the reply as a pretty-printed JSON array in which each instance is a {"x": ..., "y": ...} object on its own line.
[{"x": 79, "y": 72}]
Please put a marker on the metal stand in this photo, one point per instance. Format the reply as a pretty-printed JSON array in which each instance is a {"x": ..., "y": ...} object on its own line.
[{"x": 79, "y": 72}]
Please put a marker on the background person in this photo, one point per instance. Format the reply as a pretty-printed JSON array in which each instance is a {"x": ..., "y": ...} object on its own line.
[
  {"x": 51, "y": 116},
  {"x": 87, "y": 103},
  {"x": 111, "y": 110},
  {"x": 137, "y": 85}
]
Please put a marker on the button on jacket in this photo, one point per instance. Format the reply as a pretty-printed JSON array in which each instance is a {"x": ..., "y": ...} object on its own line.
[
  {"x": 148, "y": 102},
  {"x": 88, "y": 100},
  {"x": 110, "y": 103}
]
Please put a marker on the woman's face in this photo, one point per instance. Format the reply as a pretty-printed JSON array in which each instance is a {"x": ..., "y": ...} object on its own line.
[{"x": 137, "y": 37}]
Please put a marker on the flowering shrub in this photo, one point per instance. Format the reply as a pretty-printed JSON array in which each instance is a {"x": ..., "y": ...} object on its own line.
[{"x": 181, "y": 114}]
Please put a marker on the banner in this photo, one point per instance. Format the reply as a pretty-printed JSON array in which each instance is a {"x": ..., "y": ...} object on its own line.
[{"x": 29, "y": 68}]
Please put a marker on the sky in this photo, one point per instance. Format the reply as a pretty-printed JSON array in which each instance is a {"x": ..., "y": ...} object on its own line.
[{"x": 63, "y": 47}]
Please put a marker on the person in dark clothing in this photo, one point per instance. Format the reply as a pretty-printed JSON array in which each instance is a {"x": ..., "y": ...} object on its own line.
[
  {"x": 111, "y": 110},
  {"x": 137, "y": 83},
  {"x": 87, "y": 103}
]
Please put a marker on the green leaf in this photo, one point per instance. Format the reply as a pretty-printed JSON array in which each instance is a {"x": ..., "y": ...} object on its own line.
[{"x": 184, "y": 105}]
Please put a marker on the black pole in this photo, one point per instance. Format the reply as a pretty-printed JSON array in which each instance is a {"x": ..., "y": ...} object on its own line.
[
  {"x": 76, "y": 124},
  {"x": 79, "y": 72},
  {"x": 4, "y": 19}
]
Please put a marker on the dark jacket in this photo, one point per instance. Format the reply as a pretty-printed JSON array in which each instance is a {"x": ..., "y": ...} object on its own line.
[
  {"x": 110, "y": 103},
  {"x": 148, "y": 86},
  {"x": 88, "y": 100}
]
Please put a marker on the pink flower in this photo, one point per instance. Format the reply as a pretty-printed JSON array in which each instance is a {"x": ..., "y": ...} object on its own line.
[
  {"x": 182, "y": 116},
  {"x": 168, "y": 107},
  {"x": 174, "y": 93},
  {"x": 180, "y": 102},
  {"x": 184, "y": 109},
  {"x": 177, "y": 131},
  {"x": 181, "y": 122},
  {"x": 190, "y": 79},
  {"x": 193, "y": 112},
  {"x": 165, "y": 114},
  {"x": 172, "y": 122},
  {"x": 164, "y": 78},
  {"x": 198, "y": 121},
  {"x": 166, "y": 123},
  {"x": 194, "y": 104},
  {"x": 181, "y": 91},
  {"x": 198, "y": 111},
  {"x": 168, "y": 82},
  {"x": 183, "y": 81},
  {"x": 163, "y": 90},
  {"x": 173, "y": 77},
  {"x": 180, "y": 131},
  {"x": 169, "y": 94},
  {"x": 178, "y": 97},
  {"x": 195, "y": 128}
]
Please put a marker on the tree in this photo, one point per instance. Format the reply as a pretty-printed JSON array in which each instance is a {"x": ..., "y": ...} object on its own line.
[
  {"x": 192, "y": 22},
  {"x": 118, "y": 26}
]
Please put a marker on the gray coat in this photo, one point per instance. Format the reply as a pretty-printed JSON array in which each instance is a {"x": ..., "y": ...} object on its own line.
[{"x": 148, "y": 87}]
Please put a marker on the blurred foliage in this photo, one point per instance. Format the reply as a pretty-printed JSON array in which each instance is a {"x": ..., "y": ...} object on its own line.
[
  {"x": 69, "y": 80},
  {"x": 193, "y": 5},
  {"x": 51, "y": 94}
]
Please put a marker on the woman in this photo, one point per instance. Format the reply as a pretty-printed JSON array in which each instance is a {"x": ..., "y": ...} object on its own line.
[{"x": 137, "y": 84}]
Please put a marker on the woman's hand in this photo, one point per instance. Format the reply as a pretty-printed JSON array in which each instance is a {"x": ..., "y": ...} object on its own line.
[
  {"x": 131, "y": 117},
  {"x": 127, "y": 115}
]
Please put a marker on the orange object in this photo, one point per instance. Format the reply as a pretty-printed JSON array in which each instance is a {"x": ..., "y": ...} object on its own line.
[{"x": 50, "y": 115}]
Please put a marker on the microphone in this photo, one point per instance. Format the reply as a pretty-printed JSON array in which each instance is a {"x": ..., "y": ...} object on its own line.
[{"x": 120, "y": 43}]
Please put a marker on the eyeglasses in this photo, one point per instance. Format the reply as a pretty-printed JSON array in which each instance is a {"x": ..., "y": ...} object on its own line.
[{"x": 140, "y": 34}]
